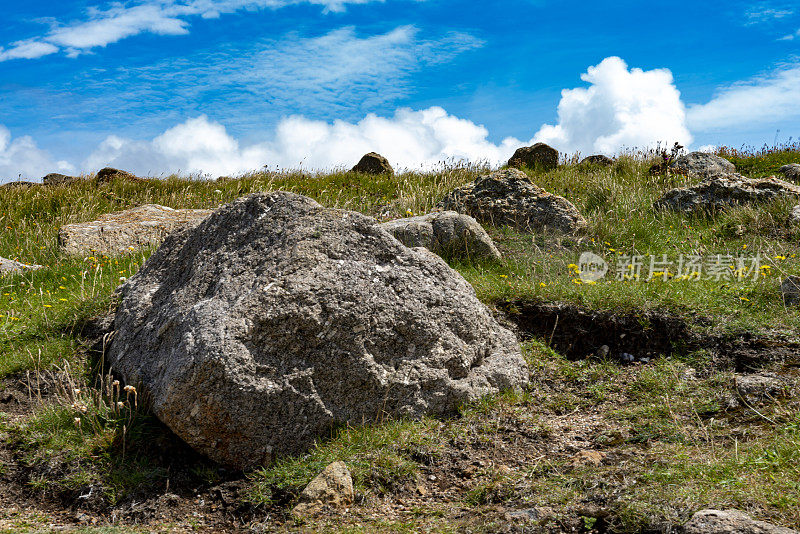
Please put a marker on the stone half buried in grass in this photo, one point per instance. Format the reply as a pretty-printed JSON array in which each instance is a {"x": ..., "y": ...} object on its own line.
[
  {"x": 445, "y": 233},
  {"x": 702, "y": 164},
  {"x": 539, "y": 156},
  {"x": 373, "y": 163},
  {"x": 508, "y": 197},
  {"x": 275, "y": 321},
  {"x": 794, "y": 215},
  {"x": 11, "y": 266},
  {"x": 722, "y": 191}
]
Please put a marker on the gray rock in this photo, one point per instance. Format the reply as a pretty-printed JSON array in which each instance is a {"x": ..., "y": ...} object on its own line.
[
  {"x": 11, "y": 266},
  {"x": 109, "y": 174},
  {"x": 18, "y": 184},
  {"x": 55, "y": 178},
  {"x": 597, "y": 159},
  {"x": 730, "y": 522},
  {"x": 373, "y": 163},
  {"x": 794, "y": 215},
  {"x": 790, "y": 289},
  {"x": 722, "y": 191},
  {"x": 508, "y": 197},
  {"x": 538, "y": 156},
  {"x": 332, "y": 488},
  {"x": 759, "y": 387},
  {"x": 444, "y": 233},
  {"x": 123, "y": 231},
  {"x": 702, "y": 164},
  {"x": 791, "y": 172},
  {"x": 273, "y": 321}
]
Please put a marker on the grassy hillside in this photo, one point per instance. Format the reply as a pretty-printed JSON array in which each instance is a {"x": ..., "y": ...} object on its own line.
[{"x": 672, "y": 442}]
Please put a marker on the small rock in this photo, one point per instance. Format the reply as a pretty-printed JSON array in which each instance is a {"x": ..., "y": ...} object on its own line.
[
  {"x": 109, "y": 174},
  {"x": 444, "y": 233},
  {"x": 597, "y": 159},
  {"x": 790, "y": 289},
  {"x": 373, "y": 163},
  {"x": 508, "y": 197},
  {"x": 55, "y": 178},
  {"x": 626, "y": 357},
  {"x": 332, "y": 488},
  {"x": 702, "y": 164},
  {"x": 527, "y": 515},
  {"x": 757, "y": 387},
  {"x": 538, "y": 156},
  {"x": 730, "y": 522},
  {"x": 791, "y": 172},
  {"x": 11, "y": 266},
  {"x": 588, "y": 458},
  {"x": 122, "y": 231},
  {"x": 722, "y": 191},
  {"x": 794, "y": 215},
  {"x": 602, "y": 352}
]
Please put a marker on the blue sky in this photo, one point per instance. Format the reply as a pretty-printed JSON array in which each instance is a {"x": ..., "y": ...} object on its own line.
[{"x": 223, "y": 86}]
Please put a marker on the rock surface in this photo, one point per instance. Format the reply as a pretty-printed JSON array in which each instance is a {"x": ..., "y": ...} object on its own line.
[
  {"x": 373, "y": 163},
  {"x": 120, "y": 232},
  {"x": 597, "y": 159},
  {"x": 756, "y": 388},
  {"x": 722, "y": 191},
  {"x": 702, "y": 164},
  {"x": 444, "y": 233},
  {"x": 275, "y": 320},
  {"x": 790, "y": 289},
  {"x": 55, "y": 178},
  {"x": 508, "y": 197},
  {"x": 109, "y": 174},
  {"x": 730, "y": 522},
  {"x": 332, "y": 488},
  {"x": 539, "y": 156},
  {"x": 794, "y": 215},
  {"x": 791, "y": 172},
  {"x": 11, "y": 266}
]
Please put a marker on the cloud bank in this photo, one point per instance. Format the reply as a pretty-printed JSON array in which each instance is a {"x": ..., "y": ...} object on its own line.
[
  {"x": 21, "y": 158},
  {"x": 118, "y": 21}
]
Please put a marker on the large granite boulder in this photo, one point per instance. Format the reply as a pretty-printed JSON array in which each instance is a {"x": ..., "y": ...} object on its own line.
[
  {"x": 11, "y": 266},
  {"x": 109, "y": 174},
  {"x": 538, "y": 156},
  {"x": 276, "y": 320},
  {"x": 730, "y": 522},
  {"x": 445, "y": 233},
  {"x": 791, "y": 172},
  {"x": 508, "y": 197},
  {"x": 123, "y": 231},
  {"x": 373, "y": 163},
  {"x": 55, "y": 178},
  {"x": 722, "y": 191},
  {"x": 597, "y": 159},
  {"x": 702, "y": 164}
]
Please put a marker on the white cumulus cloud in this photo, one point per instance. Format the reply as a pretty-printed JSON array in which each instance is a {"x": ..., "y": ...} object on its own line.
[
  {"x": 759, "y": 101},
  {"x": 21, "y": 158},
  {"x": 409, "y": 139},
  {"x": 622, "y": 107}
]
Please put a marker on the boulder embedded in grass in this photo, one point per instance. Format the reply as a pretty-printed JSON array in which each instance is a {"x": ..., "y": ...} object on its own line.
[
  {"x": 508, "y": 197},
  {"x": 538, "y": 156},
  {"x": 722, "y": 191},
  {"x": 791, "y": 172},
  {"x": 11, "y": 266},
  {"x": 702, "y": 164},
  {"x": 598, "y": 159},
  {"x": 275, "y": 320},
  {"x": 373, "y": 163},
  {"x": 444, "y": 233}
]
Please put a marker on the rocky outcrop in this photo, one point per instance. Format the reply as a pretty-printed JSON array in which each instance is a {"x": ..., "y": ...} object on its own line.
[
  {"x": 446, "y": 233},
  {"x": 791, "y": 172},
  {"x": 109, "y": 174},
  {"x": 538, "y": 156},
  {"x": 373, "y": 163},
  {"x": 332, "y": 488},
  {"x": 597, "y": 159},
  {"x": 55, "y": 178},
  {"x": 11, "y": 266},
  {"x": 508, "y": 197},
  {"x": 121, "y": 232},
  {"x": 722, "y": 191},
  {"x": 730, "y": 522},
  {"x": 275, "y": 320},
  {"x": 702, "y": 164},
  {"x": 790, "y": 289}
]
